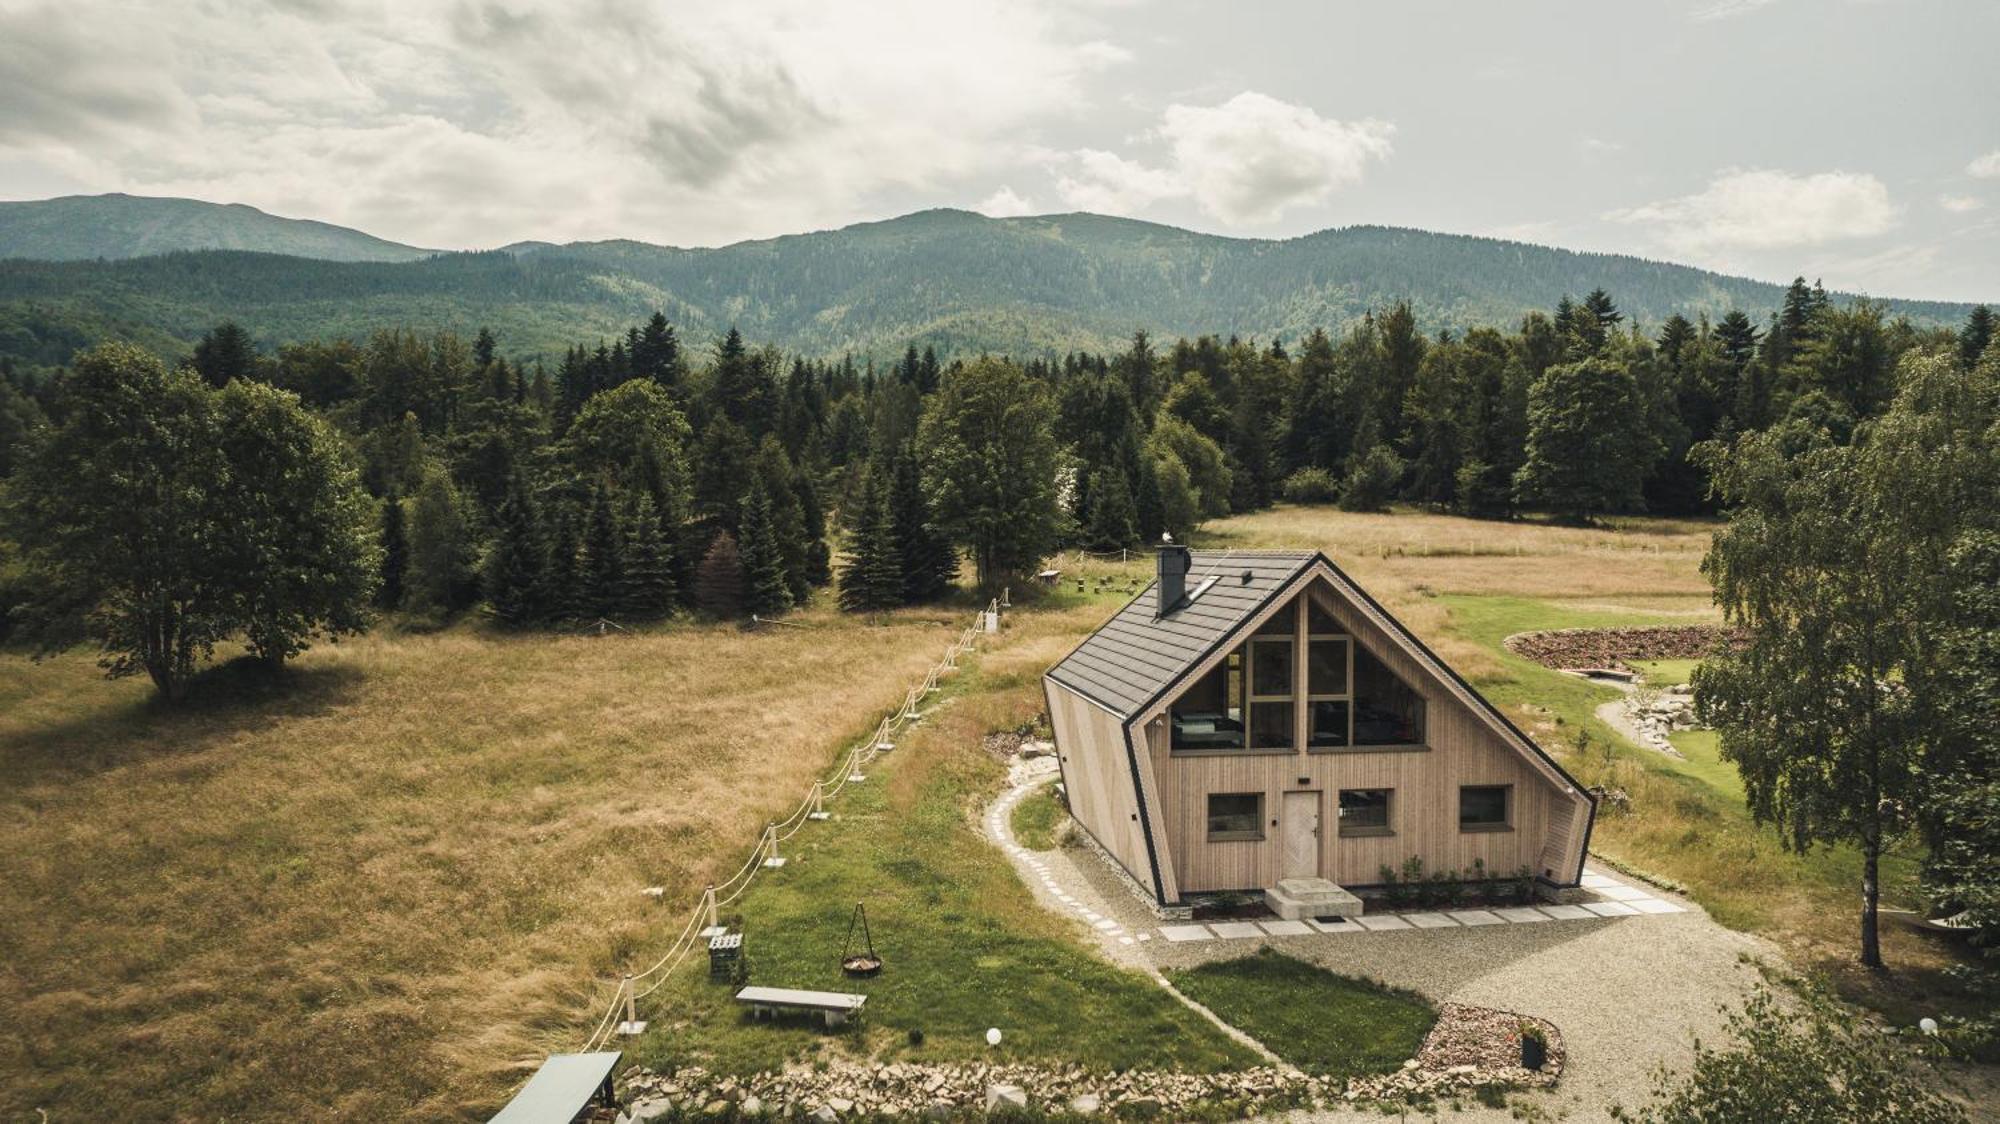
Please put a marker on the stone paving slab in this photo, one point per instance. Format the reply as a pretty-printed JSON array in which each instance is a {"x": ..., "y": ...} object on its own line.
[
  {"x": 1655, "y": 905},
  {"x": 1476, "y": 917},
  {"x": 1610, "y": 909},
  {"x": 1567, "y": 912},
  {"x": 1382, "y": 922},
  {"x": 1520, "y": 915},
  {"x": 1332, "y": 928},
  {"x": 1622, "y": 893},
  {"x": 1286, "y": 928},
  {"x": 1233, "y": 930},
  {"x": 1430, "y": 920},
  {"x": 1595, "y": 881},
  {"x": 1186, "y": 932}
]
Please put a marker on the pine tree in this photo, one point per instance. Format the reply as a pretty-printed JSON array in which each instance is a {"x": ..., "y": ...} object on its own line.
[
  {"x": 440, "y": 578},
  {"x": 514, "y": 577},
  {"x": 395, "y": 555},
  {"x": 646, "y": 580},
  {"x": 601, "y": 571},
  {"x": 819, "y": 556},
  {"x": 225, "y": 354},
  {"x": 1975, "y": 336},
  {"x": 872, "y": 579},
  {"x": 562, "y": 593},
  {"x": 718, "y": 581},
  {"x": 1113, "y": 517},
  {"x": 766, "y": 591},
  {"x": 926, "y": 559}
]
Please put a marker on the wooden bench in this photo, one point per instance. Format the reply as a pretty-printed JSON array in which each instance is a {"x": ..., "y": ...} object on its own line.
[{"x": 834, "y": 1006}]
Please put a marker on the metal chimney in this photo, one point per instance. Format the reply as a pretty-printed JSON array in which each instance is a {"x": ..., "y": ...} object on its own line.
[{"x": 1174, "y": 563}]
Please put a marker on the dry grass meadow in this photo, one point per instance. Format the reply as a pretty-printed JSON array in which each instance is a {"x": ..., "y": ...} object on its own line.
[
  {"x": 386, "y": 888},
  {"x": 380, "y": 891}
]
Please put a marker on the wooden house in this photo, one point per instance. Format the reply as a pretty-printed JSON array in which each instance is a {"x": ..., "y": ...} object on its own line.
[{"x": 1255, "y": 721}]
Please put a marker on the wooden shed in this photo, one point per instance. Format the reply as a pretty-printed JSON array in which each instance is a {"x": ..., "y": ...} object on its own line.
[{"x": 1256, "y": 718}]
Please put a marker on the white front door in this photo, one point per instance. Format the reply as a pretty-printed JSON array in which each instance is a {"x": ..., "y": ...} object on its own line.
[{"x": 1301, "y": 827}]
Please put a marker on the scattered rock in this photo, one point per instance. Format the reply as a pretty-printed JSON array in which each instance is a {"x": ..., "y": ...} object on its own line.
[
  {"x": 652, "y": 1108},
  {"x": 1007, "y": 1096},
  {"x": 1086, "y": 1104}
]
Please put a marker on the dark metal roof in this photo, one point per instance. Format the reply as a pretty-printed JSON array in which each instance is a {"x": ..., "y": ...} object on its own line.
[{"x": 1137, "y": 654}]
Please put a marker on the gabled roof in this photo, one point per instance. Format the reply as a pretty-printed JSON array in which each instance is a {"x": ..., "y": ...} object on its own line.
[{"x": 1137, "y": 654}]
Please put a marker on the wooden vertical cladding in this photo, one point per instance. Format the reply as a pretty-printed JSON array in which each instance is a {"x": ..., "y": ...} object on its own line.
[
  {"x": 1464, "y": 742},
  {"x": 1097, "y": 776}
]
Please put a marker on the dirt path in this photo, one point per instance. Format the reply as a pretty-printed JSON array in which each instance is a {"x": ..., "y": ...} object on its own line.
[{"x": 1628, "y": 993}]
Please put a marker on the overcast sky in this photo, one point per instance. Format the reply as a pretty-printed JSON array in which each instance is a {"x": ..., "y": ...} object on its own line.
[{"x": 1854, "y": 140}]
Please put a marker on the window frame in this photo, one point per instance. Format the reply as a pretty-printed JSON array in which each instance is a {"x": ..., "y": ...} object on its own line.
[
  {"x": 1506, "y": 822},
  {"x": 1251, "y": 697},
  {"x": 1208, "y": 819},
  {"x": 1388, "y": 825}
]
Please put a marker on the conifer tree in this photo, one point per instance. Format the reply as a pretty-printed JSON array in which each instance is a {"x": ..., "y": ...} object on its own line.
[
  {"x": 718, "y": 581},
  {"x": 395, "y": 555},
  {"x": 872, "y": 579},
  {"x": 1113, "y": 518},
  {"x": 601, "y": 569},
  {"x": 1975, "y": 336},
  {"x": 562, "y": 592},
  {"x": 514, "y": 577},
  {"x": 440, "y": 578},
  {"x": 646, "y": 580},
  {"x": 819, "y": 556},
  {"x": 926, "y": 559},
  {"x": 766, "y": 591}
]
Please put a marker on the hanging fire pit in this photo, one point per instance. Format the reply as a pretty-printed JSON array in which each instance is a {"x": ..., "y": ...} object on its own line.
[{"x": 865, "y": 963}]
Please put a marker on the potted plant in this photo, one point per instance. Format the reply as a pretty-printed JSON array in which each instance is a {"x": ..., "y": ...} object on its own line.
[{"x": 1534, "y": 1046}]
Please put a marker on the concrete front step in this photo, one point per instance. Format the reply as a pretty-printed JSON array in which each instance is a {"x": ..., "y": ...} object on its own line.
[{"x": 1296, "y": 899}]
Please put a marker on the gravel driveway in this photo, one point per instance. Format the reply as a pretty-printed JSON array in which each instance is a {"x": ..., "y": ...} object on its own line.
[{"x": 1628, "y": 993}]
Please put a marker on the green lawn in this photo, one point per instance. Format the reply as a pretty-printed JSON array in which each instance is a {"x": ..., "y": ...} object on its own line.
[
  {"x": 963, "y": 943},
  {"x": 1321, "y": 1022},
  {"x": 1665, "y": 673},
  {"x": 1036, "y": 819}
]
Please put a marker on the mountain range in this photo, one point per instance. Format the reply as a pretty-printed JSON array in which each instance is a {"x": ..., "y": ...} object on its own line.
[{"x": 161, "y": 271}]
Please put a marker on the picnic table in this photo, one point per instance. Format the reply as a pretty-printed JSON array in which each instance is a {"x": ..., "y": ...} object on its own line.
[{"x": 834, "y": 1006}]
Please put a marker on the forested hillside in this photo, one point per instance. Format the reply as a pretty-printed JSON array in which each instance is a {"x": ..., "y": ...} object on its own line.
[
  {"x": 955, "y": 281},
  {"x": 83, "y": 227}
]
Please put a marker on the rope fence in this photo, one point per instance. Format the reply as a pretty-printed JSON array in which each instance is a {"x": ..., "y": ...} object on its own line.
[{"x": 621, "y": 1015}]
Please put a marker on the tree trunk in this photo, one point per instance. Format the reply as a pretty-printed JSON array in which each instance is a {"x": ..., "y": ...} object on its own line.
[{"x": 1871, "y": 896}]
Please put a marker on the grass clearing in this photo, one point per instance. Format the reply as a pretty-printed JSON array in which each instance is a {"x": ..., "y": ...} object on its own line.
[
  {"x": 1319, "y": 1021},
  {"x": 963, "y": 944},
  {"x": 1665, "y": 673},
  {"x": 1036, "y": 819}
]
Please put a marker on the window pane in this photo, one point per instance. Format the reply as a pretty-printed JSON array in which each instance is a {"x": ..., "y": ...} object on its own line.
[
  {"x": 1319, "y": 622},
  {"x": 1329, "y": 724},
  {"x": 1386, "y": 712},
  {"x": 1271, "y": 668},
  {"x": 1271, "y": 725},
  {"x": 1326, "y": 667},
  {"x": 1236, "y": 813},
  {"x": 1203, "y": 717},
  {"x": 1482, "y": 805},
  {"x": 1364, "y": 808},
  {"x": 1277, "y": 624}
]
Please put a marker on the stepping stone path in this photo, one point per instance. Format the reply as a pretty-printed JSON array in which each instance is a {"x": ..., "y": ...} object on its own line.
[{"x": 1601, "y": 897}]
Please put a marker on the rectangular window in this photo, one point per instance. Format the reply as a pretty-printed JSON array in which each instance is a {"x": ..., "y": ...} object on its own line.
[
  {"x": 1329, "y": 724},
  {"x": 1271, "y": 725},
  {"x": 1485, "y": 807},
  {"x": 1235, "y": 815},
  {"x": 1365, "y": 811},
  {"x": 1271, "y": 668},
  {"x": 1326, "y": 666}
]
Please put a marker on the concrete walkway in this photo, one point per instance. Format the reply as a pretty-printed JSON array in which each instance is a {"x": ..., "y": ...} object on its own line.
[{"x": 1630, "y": 976}]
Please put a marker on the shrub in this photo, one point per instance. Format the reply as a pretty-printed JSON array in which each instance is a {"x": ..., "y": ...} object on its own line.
[
  {"x": 1311, "y": 485},
  {"x": 1372, "y": 480}
]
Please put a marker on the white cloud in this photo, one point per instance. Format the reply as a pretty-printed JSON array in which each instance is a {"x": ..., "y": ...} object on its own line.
[
  {"x": 1986, "y": 167},
  {"x": 1246, "y": 160},
  {"x": 1757, "y": 209},
  {"x": 1960, "y": 204},
  {"x": 1729, "y": 9},
  {"x": 487, "y": 120},
  {"x": 1005, "y": 203}
]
